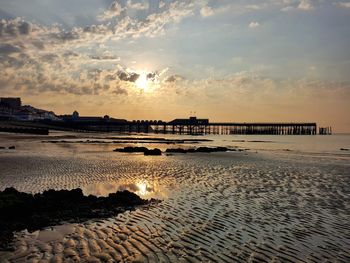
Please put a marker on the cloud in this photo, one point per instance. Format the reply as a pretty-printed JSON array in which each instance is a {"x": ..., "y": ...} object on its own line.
[
  {"x": 162, "y": 4},
  {"x": 114, "y": 10},
  {"x": 287, "y": 8},
  {"x": 343, "y": 4},
  {"x": 206, "y": 11},
  {"x": 14, "y": 27},
  {"x": 305, "y": 5},
  {"x": 254, "y": 24},
  {"x": 40, "y": 59},
  {"x": 174, "y": 78},
  {"x": 128, "y": 76},
  {"x": 137, "y": 5},
  {"x": 152, "y": 76},
  {"x": 106, "y": 56},
  {"x": 254, "y": 7},
  {"x": 120, "y": 91}
]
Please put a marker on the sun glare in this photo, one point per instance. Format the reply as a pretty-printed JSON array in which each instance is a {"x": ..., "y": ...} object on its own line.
[
  {"x": 142, "y": 188},
  {"x": 142, "y": 81}
]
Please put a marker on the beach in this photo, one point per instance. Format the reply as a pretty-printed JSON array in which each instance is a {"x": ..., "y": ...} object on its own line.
[{"x": 273, "y": 199}]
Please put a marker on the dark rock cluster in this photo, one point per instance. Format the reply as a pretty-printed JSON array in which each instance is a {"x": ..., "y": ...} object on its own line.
[
  {"x": 169, "y": 151},
  {"x": 143, "y": 150},
  {"x": 198, "y": 150},
  {"x": 19, "y": 211},
  {"x": 153, "y": 152},
  {"x": 10, "y": 147}
]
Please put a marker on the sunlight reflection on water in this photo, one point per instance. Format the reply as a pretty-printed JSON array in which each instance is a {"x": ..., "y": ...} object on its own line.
[{"x": 144, "y": 189}]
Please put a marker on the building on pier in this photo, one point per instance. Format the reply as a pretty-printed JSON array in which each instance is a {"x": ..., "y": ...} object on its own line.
[{"x": 190, "y": 121}]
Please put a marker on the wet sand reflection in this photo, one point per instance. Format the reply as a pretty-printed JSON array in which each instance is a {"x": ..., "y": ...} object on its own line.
[{"x": 144, "y": 189}]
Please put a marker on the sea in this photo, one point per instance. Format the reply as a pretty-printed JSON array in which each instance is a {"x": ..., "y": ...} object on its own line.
[{"x": 270, "y": 199}]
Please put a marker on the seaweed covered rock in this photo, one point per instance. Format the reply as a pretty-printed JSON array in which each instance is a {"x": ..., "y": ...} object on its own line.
[
  {"x": 176, "y": 150},
  {"x": 210, "y": 150},
  {"x": 143, "y": 150},
  {"x": 153, "y": 152},
  {"x": 198, "y": 150},
  {"x": 19, "y": 211},
  {"x": 130, "y": 149}
]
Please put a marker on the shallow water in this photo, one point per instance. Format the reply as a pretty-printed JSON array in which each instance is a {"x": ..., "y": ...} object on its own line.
[{"x": 266, "y": 204}]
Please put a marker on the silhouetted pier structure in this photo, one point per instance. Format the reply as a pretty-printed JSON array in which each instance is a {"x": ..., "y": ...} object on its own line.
[
  {"x": 194, "y": 126},
  {"x": 325, "y": 131},
  {"x": 225, "y": 128},
  {"x": 191, "y": 126}
]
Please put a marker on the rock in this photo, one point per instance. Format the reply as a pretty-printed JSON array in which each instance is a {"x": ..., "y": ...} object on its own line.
[
  {"x": 344, "y": 149},
  {"x": 143, "y": 150},
  {"x": 12, "y": 147},
  {"x": 176, "y": 150},
  {"x": 130, "y": 149},
  {"x": 209, "y": 150},
  {"x": 20, "y": 210},
  {"x": 153, "y": 152},
  {"x": 198, "y": 150},
  {"x": 2, "y": 147}
]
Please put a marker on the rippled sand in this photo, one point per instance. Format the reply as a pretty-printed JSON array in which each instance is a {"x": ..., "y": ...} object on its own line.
[{"x": 221, "y": 207}]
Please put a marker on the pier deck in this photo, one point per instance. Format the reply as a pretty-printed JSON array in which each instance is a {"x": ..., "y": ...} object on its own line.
[
  {"x": 191, "y": 126},
  {"x": 239, "y": 128}
]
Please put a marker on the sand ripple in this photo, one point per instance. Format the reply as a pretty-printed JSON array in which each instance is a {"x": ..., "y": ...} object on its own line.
[{"x": 229, "y": 207}]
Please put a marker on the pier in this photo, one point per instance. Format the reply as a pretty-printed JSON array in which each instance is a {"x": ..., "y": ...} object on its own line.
[
  {"x": 238, "y": 128},
  {"x": 190, "y": 126},
  {"x": 194, "y": 126}
]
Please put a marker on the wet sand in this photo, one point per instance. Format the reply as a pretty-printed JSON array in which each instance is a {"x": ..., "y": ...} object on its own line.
[{"x": 217, "y": 207}]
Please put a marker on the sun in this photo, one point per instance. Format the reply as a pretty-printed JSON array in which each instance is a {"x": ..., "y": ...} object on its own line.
[{"x": 142, "y": 81}]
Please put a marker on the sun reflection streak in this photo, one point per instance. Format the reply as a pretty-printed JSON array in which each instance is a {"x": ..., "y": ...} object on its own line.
[{"x": 144, "y": 189}]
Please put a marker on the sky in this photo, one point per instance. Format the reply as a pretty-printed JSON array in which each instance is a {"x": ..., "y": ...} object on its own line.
[{"x": 226, "y": 60}]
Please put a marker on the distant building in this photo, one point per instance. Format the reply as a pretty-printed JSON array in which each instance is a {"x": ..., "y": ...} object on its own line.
[
  {"x": 29, "y": 113},
  {"x": 10, "y": 102},
  {"x": 12, "y": 109},
  {"x": 75, "y": 117}
]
